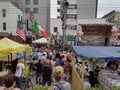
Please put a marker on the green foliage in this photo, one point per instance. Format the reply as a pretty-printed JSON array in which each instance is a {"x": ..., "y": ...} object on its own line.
[
  {"x": 100, "y": 88},
  {"x": 116, "y": 88},
  {"x": 41, "y": 88},
  {"x": 96, "y": 88}
]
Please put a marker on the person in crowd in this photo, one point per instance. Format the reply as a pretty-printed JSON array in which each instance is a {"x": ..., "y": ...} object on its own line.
[
  {"x": 39, "y": 67},
  {"x": 0, "y": 65},
  {"x": 27, "y": 69},
  {"x": 46, "y": 73},
  {"x": 43, "y": 58},
  {"x": 60, "y": 61},
  {"x": 97, "y": 69},
  {"x": 32, "y": 65},
  {"x": 9, "y": 82},
  {"x": 90, "y": 64},
  {"x": 1, "y": 80},
  {"x": 57, "y": 56},
  {"x": 69, "y": 54},
  {"x": 63, "y": 58},
  {"x": 20, "y": 73},
  {"x": 57, "y": 64},
  {"x": 59, "y": 83},
  {"x": 68, "y": 70},
  {"x": 92, "y": 79},
  {"x": 113, "y": 65},
  {"x": 14, "y": 64}
]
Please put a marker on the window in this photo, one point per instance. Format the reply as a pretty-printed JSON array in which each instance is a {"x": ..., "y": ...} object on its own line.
[
  {"x": 35, "y": 2},
  {"x": 4, "y": 12},
  {"x": 35, "y": 10},
  {"x": 27, "y": 10},
  {"x": 55, "y": 29},
  {"x": 18, "y": 17},
  {"x": 27, "y": 2},
  {"x": 58, "y": 16},
  {"x": 58, "y": 10},
  {"x": 58, "y": 2},
  {"x": 4, "y": 26}
]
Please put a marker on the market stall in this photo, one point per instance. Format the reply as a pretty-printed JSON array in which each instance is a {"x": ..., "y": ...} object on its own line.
[
  {"x": 96, "y": 53},
  {"x": 8, "y": 50}
]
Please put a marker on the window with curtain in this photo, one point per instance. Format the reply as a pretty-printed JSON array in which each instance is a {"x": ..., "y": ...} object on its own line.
[
  {"x": 27, "y": 2},
  {"x": 35, "y": 10},
  {"x": 35, "y": 2},
  {"x": 27, "y": 10}
]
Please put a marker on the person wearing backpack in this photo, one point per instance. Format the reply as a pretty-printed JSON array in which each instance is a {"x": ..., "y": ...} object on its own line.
[{"x": 59, "y": 82}]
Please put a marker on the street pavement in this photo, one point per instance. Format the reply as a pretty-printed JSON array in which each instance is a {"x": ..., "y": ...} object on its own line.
[{"x": 33, "y": 82}]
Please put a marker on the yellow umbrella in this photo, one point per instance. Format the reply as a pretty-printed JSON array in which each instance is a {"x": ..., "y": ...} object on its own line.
[{"x": 12, "y": 46}]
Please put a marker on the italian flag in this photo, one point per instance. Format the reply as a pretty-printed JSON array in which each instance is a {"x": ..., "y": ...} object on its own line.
[{"x": 38, "y": 29}]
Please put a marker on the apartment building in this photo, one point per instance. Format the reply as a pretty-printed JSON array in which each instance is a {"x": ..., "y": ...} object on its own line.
[
  {"x": 40, "y": 9},
  {"x": 9, "y": 17}
]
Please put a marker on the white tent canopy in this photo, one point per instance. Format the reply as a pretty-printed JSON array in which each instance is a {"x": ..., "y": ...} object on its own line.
[{"x": 41, "y": 40}]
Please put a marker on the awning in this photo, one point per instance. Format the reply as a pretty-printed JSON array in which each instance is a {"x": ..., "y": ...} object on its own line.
[
  {"x": 100, "y": 52},
  {"x": 41, "y": 40},
  {"x": 12, "y": 46}
]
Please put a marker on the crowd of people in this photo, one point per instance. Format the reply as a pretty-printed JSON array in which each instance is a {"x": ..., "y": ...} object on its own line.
[
  {"x": 51, "y": 67},
  {"x": 44, "y": 62}
]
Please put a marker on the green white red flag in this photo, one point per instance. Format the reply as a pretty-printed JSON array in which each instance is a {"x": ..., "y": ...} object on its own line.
[{"x": 38, "y": 29}]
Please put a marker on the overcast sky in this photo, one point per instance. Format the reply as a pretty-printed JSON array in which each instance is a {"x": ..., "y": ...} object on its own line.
[{"x": 104, "y": 7}]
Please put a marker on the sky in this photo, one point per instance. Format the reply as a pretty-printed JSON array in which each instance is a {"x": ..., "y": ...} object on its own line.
[{"x": 104, "y": 7}]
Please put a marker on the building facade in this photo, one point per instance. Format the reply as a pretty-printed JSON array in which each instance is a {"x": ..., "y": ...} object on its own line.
[
  {"x": 75, "y": 10},
  {"x": 87, "y": 9},
  {"x": 114, "y": 17},
  {"x": 9, "y": 17},
  {"x": 97, "y": 32},
  {"x": 40, "y": 9}
]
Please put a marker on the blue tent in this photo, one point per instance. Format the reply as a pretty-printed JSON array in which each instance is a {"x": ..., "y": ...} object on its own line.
[{"x": 100, "y": 52}]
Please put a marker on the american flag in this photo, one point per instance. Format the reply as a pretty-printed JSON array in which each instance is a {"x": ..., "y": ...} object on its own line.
[{"x": 20, "y": 31}]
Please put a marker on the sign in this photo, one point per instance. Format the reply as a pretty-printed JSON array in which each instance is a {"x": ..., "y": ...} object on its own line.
[{"x": 71, "y": 38}]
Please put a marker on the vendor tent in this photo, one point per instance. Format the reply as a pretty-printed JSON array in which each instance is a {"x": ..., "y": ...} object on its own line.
[
  {"x": 12, "y": 46},
  {"x": 100, "y": 52},
  {"x": 2, "y": 50},
  {"x": 41, "y": 40},
  {"x": 28, "y": 48}
]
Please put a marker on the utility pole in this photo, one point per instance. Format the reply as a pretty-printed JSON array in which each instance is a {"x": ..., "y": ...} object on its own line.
[{"x": 64, "y": 5}]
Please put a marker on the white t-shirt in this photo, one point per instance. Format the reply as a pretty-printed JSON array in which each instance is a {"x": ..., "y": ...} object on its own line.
[{"x": 19, "y": 69}]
